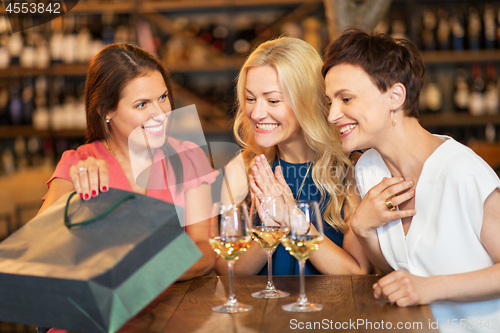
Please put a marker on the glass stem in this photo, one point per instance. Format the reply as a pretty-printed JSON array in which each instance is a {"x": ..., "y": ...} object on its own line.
[
  {"x": 232, "y": 298},
  {"x": 270, "y": 270},
  {"x": 302, "y": 297}
]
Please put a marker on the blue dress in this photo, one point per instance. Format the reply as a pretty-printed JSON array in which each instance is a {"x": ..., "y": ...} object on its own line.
[{"x": 283, "y": 262}]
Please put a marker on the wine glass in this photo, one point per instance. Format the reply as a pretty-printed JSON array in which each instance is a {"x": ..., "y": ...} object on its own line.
[
  {"x": 269, "y": 225},
  {"x": 229, "y": 238},
  {"x": 306, "y": 233}
]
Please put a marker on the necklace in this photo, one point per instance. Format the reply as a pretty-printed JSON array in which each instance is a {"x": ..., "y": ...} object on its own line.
[{"x": 303, "y": 180}]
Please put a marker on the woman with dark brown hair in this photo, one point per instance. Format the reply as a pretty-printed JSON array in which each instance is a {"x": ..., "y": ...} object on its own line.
[
  {"x": 430, "y": 213},
  {"x": 128, "y": 100}
]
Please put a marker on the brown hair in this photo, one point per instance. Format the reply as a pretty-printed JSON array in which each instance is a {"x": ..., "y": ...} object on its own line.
[
  {"x": 109, "y": 72},
  {"x": 386, "y": 60}
]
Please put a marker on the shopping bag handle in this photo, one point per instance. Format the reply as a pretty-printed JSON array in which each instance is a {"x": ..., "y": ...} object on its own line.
[{"x": 106, "y": 212}]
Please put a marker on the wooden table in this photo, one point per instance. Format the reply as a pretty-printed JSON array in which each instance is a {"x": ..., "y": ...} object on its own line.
[{"x": 348, "y": 303}]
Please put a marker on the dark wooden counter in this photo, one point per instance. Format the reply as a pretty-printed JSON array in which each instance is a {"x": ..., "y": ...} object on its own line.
[{"x": 348, "y": 306}]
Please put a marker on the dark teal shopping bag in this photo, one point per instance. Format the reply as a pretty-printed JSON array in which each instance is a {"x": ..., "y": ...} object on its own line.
[{"x": 92, "y": 276}]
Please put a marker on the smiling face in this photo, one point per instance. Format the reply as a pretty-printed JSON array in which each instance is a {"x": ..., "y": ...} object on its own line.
[
  {"x": 274, "y": 122},
  {"x": 142, "y": 109},
  {"x": 358, "y": 108}
]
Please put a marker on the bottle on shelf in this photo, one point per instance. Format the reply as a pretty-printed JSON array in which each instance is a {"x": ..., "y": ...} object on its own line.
[
  {"x": 20, "y": 153},
  {"x": 476, "y": 97},
  {"x": 69, "y": 55},
  {"x": 491, "y": 91},
  {"x": 41, "y": 116},
  {"x": 15, "y": 103},
  {"x": 490, "y": 133},
  {"x": 433, "y": 95},
  {"x": 56, "y": 41},
  {"x": 474, "y": 29},
  {"x": 443, "y": 30},
  {"x": 489, "y": 26},
  {"x": 498, "y": 27},
  {"x": 429, "y": 24},
  {"x": 4, "y": 43},
  {"x": 461, "y": 91},
  {"x": 27, "y": 56},
  {"x": 83, "y": 40},
  {"x": 27, "y": 98},
  {"x": 42, "y": 54},
  {"x": 457, "y": 31},
  {"x": 4, "y": 104},
  {"x": 15, "y": 46}
]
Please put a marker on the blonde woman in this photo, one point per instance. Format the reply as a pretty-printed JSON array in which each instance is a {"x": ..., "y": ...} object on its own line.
[{"x": 287, "y": 142}]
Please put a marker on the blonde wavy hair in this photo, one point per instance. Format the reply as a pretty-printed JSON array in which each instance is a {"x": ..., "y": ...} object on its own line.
[{"x": 298, "y": 66}]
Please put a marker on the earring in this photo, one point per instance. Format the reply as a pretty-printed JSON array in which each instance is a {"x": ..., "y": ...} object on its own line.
[
  {"x": 393, "y": 117},
  {"x": 107, "y": 120}
]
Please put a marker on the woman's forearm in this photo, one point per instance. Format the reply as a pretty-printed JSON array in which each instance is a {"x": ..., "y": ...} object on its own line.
[
  {"x": 473, "y": 286},
  {"x": 331, "y": 259},
  {"x": 369, "y": 242}
]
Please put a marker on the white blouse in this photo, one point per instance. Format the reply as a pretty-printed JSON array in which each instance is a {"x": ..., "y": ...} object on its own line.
[{"x": 445, "y": 235}]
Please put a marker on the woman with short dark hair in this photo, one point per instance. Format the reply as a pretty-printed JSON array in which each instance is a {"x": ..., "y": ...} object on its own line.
[{"x": 430, "y": 214}]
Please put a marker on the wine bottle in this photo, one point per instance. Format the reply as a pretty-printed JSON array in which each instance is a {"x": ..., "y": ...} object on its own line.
[
  {"x": 443, "y": 30},
  {"x": 42, "y": 54},
  {"x": 83, "y": 40},
  {"x": 461, "y": 91},
  {"x": 491, "y": 93},
  {"x": 108, "y": 33},
  {"x": 457, "y": 32},
  {"x": 56, "y": 41},
  {"x": 15, "y": 104},
  {"x": 27, "y": 98},
  {"x": 27, "y": 57},
  {"x": 20, "y": 153},
  {"x": 4, "y": 43},
  {"x": 16, "y": 42},
  {"x": 489, "y": 26},
  {"x": 476, "y": 97},
  {"x": 474, "y": 29},
  {"x": 69, "y": 55},
  {"x": 429, "y": 24},
  {"x": 4, "y": 104},
  {"x": 433, "y": 95},
  {"x": 41, "y": 115}
]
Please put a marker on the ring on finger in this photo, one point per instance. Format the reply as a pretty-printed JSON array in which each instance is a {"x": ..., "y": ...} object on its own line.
[
  {"x": 82, "y": 169},
  {"x": 389, "y": 205}
]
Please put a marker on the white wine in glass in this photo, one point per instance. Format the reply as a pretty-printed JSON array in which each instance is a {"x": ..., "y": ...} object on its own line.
[
  {"x": 269, "y": 225},
  {"x": 229, "y": 237},
  {"x": 306, "y": 233}
]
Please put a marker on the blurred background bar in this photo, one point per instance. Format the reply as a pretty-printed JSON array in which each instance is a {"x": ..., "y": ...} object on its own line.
[{"x": 204, "y": 43}]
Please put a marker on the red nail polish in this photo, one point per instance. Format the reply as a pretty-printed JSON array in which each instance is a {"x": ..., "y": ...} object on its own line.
[
  {"x": 104, "y": 188},
  {"x": 86, "y": 196},
  {"x": 81, "y": 196},
  {"x": 94, "y": 193}
]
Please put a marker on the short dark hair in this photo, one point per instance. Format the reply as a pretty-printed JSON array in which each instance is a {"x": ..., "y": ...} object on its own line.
[
  {"x": 386, "y": 60},
  {"x": 109, "y": 72}
]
